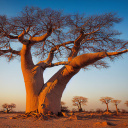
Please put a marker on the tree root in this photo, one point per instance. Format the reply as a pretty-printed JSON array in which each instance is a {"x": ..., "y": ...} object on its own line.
[{"x": 35, "y": 115}]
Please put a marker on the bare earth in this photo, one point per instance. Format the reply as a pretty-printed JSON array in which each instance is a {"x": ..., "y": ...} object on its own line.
[{"x": 79, "y": 120}]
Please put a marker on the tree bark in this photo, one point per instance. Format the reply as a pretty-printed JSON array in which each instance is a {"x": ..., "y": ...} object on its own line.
[
  {"x": 47, "y": 97},
  {"x": 33, "y": 78},
  {"x": 50, "y": 96},
  {"x": 40, "y": 96}
]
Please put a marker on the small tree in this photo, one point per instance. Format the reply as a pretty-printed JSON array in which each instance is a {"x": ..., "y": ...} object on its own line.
[
  {"x": 63, "y": 107},
  {"x": 78, "y": 101},
  {"x": 12, "y": 105},
  {"x": 106, "y": 100},
  {"x": 116, "y": 102},
  {"x": 5, "y": 106},
  {"x": 8, "y": 107},
  {"x": 126, "y": 103}
]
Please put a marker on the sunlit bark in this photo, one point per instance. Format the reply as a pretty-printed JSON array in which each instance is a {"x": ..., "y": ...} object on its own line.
[
  {"x": 33, "y": 78},
  {"x": 52, "y": 91}
]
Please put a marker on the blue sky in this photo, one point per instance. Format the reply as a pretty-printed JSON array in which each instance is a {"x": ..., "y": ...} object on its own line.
[{"x": 92, "y": 83}]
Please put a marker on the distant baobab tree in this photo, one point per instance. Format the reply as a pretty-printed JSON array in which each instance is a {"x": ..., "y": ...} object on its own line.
[
  {"x": 63, "y": 107},
  {"x": 106, "y": 100},
  {"x": 126, "y": 103},
  {"x": 74, "y": 41},
  {"x": 79, "y": 101},
  {"x": 116, "y": 102},
  {"x": 8, "y": 107}
]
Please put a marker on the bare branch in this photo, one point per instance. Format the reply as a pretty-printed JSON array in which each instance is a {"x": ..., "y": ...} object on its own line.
[
  {"x": 92, "y": 32},
  {"x": 21, "y": 36},
  {"x": 58, "y": 63},
  {"x": 9, "y": 51},
  {"x": 76, "y": 47},
  {"x": 40, "y": 38},
  {"x": 116, "y": 53},
  {"x": 48, "y": 61},
  {"x": 77, "y": 42},
  {"x": 11, "y": 36},
  {"x": 90, "y": 58},
  {"x": 53, "y": 49}
]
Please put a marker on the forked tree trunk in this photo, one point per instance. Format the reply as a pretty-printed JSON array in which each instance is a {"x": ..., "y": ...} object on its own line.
[
  {"x": 47, "y": 97},
  {"x": 40, "y": 96}
]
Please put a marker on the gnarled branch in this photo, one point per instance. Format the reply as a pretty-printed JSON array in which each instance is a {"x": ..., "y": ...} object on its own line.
[
  {"x": 10, "y": 50},
  {"x": 51, "y": 55},
  {"x": 90, "y": 58},
  {"x": 21, "y": 36},
  {"x": 116, "y": 53},
  {"x": 76, "y": 47},
  {"x": 41, "y": 38},
  {"x": 11, "y": 36}
]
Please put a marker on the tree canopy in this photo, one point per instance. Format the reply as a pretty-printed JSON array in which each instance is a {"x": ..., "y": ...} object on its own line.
[
  {"x": 59, "y": 37},
  {"x": 9, "y": 107},
  {"x": 116, "y": 102},
  {"x": 126, "y": 103},
  {"x": 106, "y": 99}
]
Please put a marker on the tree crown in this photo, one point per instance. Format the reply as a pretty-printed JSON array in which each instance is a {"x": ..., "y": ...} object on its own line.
[
  {"x": 53, "y": 33},
  {"x": 79, "y": 100},
  {"x": 106, "y": 99},
  {"x": 126, "y": 103},
  {"x": 116, "y": 102}
]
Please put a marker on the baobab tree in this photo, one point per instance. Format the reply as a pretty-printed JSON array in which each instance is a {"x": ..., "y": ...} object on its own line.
[
  {"x": 8, "y": 107},
  {"x": 74, "y": 41},
  {"x": 116, "y": 102},
  {"x": 79, "y": 101},
  {"x": 126, "y": 103},
  {"x": 63, "y": 107},
  {"x": 106, "y": 100}
]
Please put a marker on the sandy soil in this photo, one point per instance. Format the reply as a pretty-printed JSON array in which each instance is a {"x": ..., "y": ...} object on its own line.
[{"x": 79, "y": 120}]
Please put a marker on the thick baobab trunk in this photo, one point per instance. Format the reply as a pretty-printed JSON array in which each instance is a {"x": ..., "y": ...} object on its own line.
[
  {"x": 50, "y": 96},
  {"x": 33, "y": 78},
  {"x": 51, "y": 93},
  {"x": 42, "y": 97},
  {"x": 47, "y": 97}
]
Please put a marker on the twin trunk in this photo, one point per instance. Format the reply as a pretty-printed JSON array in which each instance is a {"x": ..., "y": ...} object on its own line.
[
  {"x": 39, "y": 96},
  {"x": 47, "y": 97}
]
